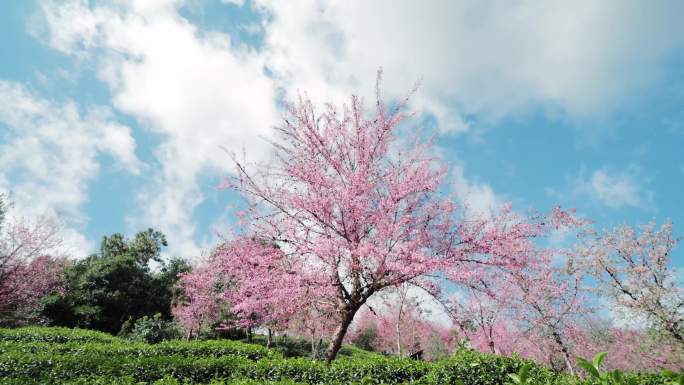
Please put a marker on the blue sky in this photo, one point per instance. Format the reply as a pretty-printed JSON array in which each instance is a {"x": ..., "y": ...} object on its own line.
[{"x": 113, "y": 115}]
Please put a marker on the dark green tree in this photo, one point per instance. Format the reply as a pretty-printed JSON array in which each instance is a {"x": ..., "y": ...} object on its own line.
[
  {"x": 366, "y": 338},
  {"x": 118, "y": 283}
]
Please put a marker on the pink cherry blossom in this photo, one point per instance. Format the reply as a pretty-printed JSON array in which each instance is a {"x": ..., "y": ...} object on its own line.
[
  {"x": 353, "y": 213},
  {"x": 30, "y": 265},
  {"x": 633, "y": 269}
]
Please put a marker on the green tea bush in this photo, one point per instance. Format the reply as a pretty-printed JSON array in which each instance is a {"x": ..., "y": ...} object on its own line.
[
  {"x": 54, "y": 335},
  {"x": 168, "y": 348},
  {"x": 127, "y": 380},
  {"x": 151, "y": 329},
  {"x": 40, "y": 356},
  {"x": 475, "y": 368}
]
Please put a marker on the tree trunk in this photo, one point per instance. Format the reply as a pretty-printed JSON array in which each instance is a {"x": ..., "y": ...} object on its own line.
[
  {"x": 564, "y": 350},
  {"x": 463, "y": 333},
  {"x": 398, "y": 339},
  {"x": 341, "y": 331},
  {"x": 490, "y": 338},
  {"x": 676, "y": 332},
  {"x": 269, "y": 337},
  {"x": 566, "y": 356},
  {"x": 313, "y": 344},
  {"x": 249, "y": 334}
]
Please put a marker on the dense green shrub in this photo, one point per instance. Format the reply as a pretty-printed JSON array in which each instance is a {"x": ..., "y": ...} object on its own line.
[
  {"x": 54, "y": 335},
  {"x": 300, "y": 347},
  {"x": 151, "y": 329},
  {"x": 366, "y": 338},
  {"x": 106, "y": 288},
  {"x": 127, "y": 380},
  {"x": 44, "y": 356},
  {"x": 122, "y": 349},
  {"x": 475, "y": 368}
]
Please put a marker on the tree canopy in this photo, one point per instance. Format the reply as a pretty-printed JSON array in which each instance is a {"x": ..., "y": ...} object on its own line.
[{"x": 118, "y": 283}]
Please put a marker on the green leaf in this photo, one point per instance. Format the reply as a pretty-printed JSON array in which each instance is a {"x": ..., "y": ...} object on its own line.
[
  {"x": 598, "y": 359},
  {"x": 524, "y": 373},
  {"x": 588, "y": 367},
  {"x": 617, "y": 376}
]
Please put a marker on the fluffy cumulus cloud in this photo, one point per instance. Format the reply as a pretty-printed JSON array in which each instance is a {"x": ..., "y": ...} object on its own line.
[
  {"x": 484, "y": 58},
  {"x": 200, "y": 90},
  {"x": 478, "y": 198},
  {"x": 49, "y": 152},
  {"x": 614, "y": 190},
  {"x": 194, "y": 88}
]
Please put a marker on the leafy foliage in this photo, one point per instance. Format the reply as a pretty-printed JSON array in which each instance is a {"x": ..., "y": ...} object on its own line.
[
  {"x": 107, "y": 288},
  {"x": 366, "y": 337},
  {"x": 37, "y": 356},
  {"x": 151, "y": 329},
  {"x": 54, "y": 335},
  {"x": 674, "y": 378},
  {"x": 522, "y": 377}
]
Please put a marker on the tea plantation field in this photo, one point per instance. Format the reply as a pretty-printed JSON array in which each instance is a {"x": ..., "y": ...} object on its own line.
[{"x": 38, "y": 355}]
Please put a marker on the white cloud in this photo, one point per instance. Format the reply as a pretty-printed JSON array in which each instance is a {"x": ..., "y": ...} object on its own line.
[
  {"x": 478, "y": 198},
  {"x": 195, "y": 89},
  {"x": 48, "y": 153},
  {"x": 485, "y": 58},
  {"x": 238, "y": 3},
  {"x": 614, "y": 190},
  {"x": 200, "y": 91}
]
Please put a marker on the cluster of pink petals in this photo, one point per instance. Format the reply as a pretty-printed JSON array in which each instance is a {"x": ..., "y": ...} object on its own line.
[{"x": 29, "y": 269}]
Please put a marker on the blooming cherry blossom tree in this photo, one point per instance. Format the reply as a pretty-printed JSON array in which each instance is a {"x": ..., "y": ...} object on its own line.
[
  {"x": 262, "y": 285},
  {"x": 30, "y": 266},
  {"x": 633, "y": 269},
  {"x": 355, "y": 213},
  {"x": 200, "y": 303},
  {"x": 479, "y": 317},
  {"x": 551, "y": 305}
]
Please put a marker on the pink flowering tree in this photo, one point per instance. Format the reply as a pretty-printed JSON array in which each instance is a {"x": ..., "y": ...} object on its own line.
[
  {"x": 480, "y": 317},
  {"x": 29, "y": 267},
  {"x": 356, "y": 213},
  {"x": 200, "y": 303},
  {"x": 633, "y": 269},
  {"x": 627, "y": 348},
  {"x": 313, "y": 322},
  {"x": 263, "y": 286},
  {"x": 550, "y": 303},
  {"x": 401, "y": 324},
  {"x": 532, "y": 309},
  {"x": 402, "y": 330}
]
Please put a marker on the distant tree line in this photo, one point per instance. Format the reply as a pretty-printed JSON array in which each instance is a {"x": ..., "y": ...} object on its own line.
[{"x": 125, "y": 280}]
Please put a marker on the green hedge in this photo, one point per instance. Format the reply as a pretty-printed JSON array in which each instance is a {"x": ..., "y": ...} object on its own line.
[
  {"x": 139, "y": 349},
  {"x": 26, "y": 359},
  {"x": 51, "y": 367},
  {"x": 54, "y": 335},
  {"x": 103, "y": 380},
  {"x": 475, "y": 368}
]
